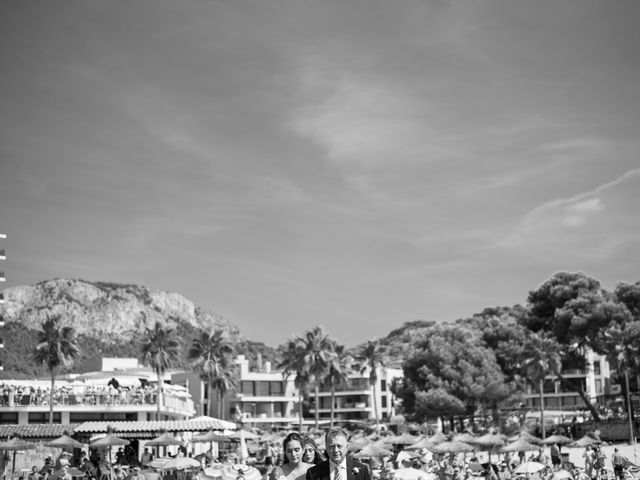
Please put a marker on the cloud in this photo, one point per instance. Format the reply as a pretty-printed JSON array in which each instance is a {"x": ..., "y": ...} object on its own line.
[
  {"x": 363, "y": 120},
  {"x": 570, "y": 212},
  {"x": 577, "y": 212}
]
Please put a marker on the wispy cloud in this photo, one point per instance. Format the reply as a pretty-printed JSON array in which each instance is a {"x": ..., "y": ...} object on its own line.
[
  {"x": 360, "y": 120},
  {"x": 571, "y": 212}
]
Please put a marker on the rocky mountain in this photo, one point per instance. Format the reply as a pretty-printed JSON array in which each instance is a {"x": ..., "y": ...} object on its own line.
[
  {"x": 107, "y": 317},
  {"x": 110, "y": 310}
]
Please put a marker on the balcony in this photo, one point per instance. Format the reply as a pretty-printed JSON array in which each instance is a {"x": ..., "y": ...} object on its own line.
[
  {"x": 245, "y": 398},
  {"x": 2, "y": 254},
  {"x": 89, "y": 399},
  {"x": 2, "y": 277},
  {"x": 341, "y": 393},
  {"x": 266, "y": 418},
  {"x": 347, "y": 407}
]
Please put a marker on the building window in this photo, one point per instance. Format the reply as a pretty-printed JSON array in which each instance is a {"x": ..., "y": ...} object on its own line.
[
  {"x": 276, "y": 388},
  {"x": 247, "y": 388},
  {"x": 581, "y": 383},
  {"x": 79, "y": 417},
  {"x": 596, "y": 367},
  {"x": 8, "y": 418},
  {"x": 383, "y": 385},
  {"x": 43, "y": 417},
  {"x": 383, "y": 401},
  {"x": 598, "y": 385},
  {"x": 262, "y": 389},
  {"x": 549, "y": 386}
]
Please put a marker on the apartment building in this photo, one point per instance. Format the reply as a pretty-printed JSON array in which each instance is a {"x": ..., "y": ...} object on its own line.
[
  {"x": 354, "y": 399},
  {"x": 595, "y": 381},
  {"x": 267, "y": 400},
  {"x": 264, "y": 398}
]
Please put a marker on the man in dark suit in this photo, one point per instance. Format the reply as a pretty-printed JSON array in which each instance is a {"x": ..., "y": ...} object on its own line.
[{"x": 338, "y": 466}]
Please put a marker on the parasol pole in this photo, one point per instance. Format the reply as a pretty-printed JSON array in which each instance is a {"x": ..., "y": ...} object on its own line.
[
  {"x": 13, "y": 463},
  {"x": 110, "y": 464}
]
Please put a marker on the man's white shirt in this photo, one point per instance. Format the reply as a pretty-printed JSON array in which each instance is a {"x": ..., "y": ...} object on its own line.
[{"x": 343, "y": 469}]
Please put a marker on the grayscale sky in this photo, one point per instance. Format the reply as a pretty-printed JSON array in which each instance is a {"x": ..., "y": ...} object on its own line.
[{"x": 350, "y": 163}]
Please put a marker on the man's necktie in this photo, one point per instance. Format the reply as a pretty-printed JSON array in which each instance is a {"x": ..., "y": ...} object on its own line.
[{"x": 337, "y": 473}]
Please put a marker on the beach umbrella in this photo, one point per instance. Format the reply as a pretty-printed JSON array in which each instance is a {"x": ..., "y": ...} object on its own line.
[
  {"x": 243, "y": 434},
  {"x": 465, "y": 437},
  {"x": 412, "y": 474},
  {"x": 158, "y": 463},
  {"x": 490, "y": 442},
  {"x": 180, "y": 463},
  {"x": 419, "y": 445},
  {"x": 373, "y": 450},
  {"x": 529, "y": 467},
  {"x": 164, "y": 440},
  {"x": 586, "y": 441},
  {"x": 404, "y": 439},
  {"x": 526, "y": 436},
  {"x": 65, "y": 441},
  {"x": 557, "y": 439},
  {"x": 520, "y": 445},
  {"x": 16, "y": 445},
  {"x": 109, "y": 440},
  {"x": 209, "y": 436},
  {"x": 359, "y": 443},
  {"x": 453, "y": 446},
  {"x": 562, "y": 475},
  {"x": 439, "y": 437}
]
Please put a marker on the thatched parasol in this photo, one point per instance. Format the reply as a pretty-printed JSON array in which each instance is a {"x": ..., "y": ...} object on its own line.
[
  {"x": 454, "y": 446},
  {"x": 16, "y": 445}
]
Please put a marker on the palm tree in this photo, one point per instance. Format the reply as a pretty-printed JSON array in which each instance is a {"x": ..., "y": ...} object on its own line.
[
  {"x": 211, "y": 355},
  {"x": 291, "y": 364},
  {"x": 371, "y": 357},
  {"x": 57, "y": 346},
  {"x": 160, "y": 348},
  {"x": 226, "y": 382},
  {"x": 621, "y": 341},
  {"x": 339, "y": 369},
  {"x": 316, "y": 354},
  {"x": 540, "y": 357}
]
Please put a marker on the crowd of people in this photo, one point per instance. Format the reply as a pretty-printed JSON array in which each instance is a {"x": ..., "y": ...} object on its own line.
[
  {"x": 299, "y": 453},
  {"x": 110, "y": 394},
  {"x": 300, "y": 457}
]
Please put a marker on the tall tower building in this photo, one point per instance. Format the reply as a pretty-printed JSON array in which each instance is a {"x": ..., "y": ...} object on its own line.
[{"x": 2, "y": 279}]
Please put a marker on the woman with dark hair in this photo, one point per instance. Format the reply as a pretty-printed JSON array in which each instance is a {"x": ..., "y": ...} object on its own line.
[
  {"x": 292, "y": 468},
  {"x": 311, "y": 452}
]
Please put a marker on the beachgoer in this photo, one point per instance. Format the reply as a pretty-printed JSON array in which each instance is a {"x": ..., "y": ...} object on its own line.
[
  {"x": 136, "y": 474},
  {"x": 64, "y": 473},
  {"x": 311, "y": 452},
  {"x": 34, "y": 475},
  {"x": 146, "y": 457},
  {"x": 618, "y": 462},
  {"x": 556, "y": 458},
  {"x": 589, "y": 459},
  {"x": 292, "y": 468}
]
